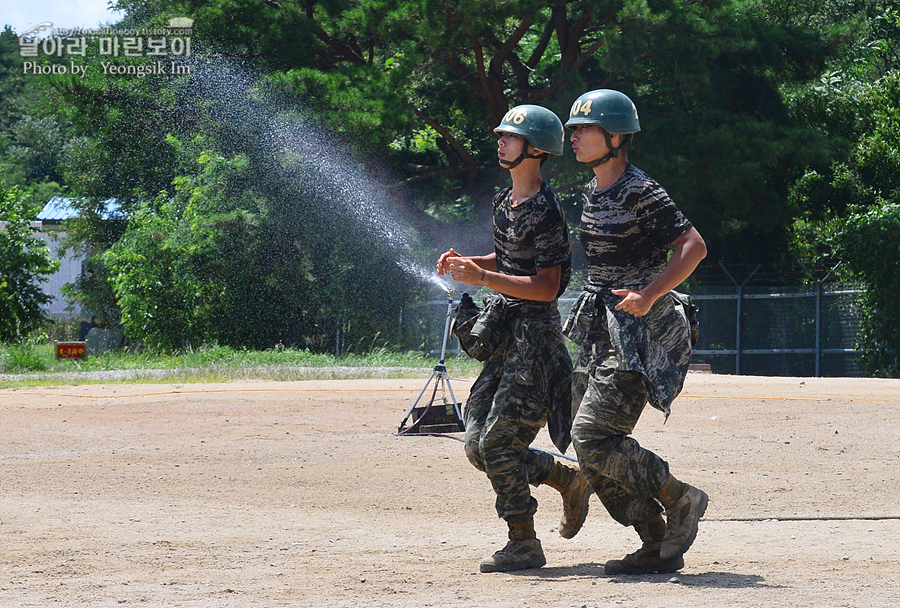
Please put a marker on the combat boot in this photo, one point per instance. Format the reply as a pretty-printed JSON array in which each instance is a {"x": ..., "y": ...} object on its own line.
[
  {"x": 684, "y": 505},
  {"x": 646, "y": 560},
  {"x": 523, "y": 550},
  {"x": 576, "y": 492}
]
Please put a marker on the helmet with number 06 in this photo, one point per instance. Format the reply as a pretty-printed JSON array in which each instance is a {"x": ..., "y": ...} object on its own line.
[
  {"x": 612, "y": 110},
  {"x": 540, "y": 126}
]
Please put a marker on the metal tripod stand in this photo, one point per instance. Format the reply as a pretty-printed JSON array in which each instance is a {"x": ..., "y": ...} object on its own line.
[{"x": 430, "y": 419}]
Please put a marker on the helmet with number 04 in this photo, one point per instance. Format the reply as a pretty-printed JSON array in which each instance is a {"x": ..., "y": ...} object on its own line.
[
  {"x": 612, "y": 110},
  {"x": 540, "y": 126}
]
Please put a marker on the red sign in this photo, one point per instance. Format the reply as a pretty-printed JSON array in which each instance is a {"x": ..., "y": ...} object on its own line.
[{"x": 71, "y": 350}]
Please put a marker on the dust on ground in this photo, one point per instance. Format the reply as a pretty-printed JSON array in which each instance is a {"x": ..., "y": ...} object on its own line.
[{"x": 249, "y": 494}]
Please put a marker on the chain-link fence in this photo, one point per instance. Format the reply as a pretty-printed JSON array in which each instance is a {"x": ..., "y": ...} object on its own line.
[
  {"x": 788, "y": 331},
  {"x": 424, "y": 323},
  {"x": 765, "y": 330}
]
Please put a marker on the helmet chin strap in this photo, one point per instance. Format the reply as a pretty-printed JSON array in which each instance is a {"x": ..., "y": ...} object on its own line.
[
  {"x": 613, "y": 152},
  {"x": 515, "y": 163}
]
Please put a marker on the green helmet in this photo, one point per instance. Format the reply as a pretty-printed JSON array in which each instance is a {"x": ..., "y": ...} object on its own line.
[
  {"x": 542, "y": 128},
  {"x": 612, "y": 110}
]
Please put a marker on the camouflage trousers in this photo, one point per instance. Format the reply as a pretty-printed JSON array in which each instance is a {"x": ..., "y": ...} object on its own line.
[
  {"x": 508, "y": 405},
  {"x": 624, "y": 476}
]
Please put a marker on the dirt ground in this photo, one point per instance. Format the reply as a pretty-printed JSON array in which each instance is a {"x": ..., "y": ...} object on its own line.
[{"x": 299, "y": 494}]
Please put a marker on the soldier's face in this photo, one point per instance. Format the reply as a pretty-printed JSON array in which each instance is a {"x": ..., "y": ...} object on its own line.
[
  {"x": 510, "y": 146},
  {"x": 588, "y": 143}
]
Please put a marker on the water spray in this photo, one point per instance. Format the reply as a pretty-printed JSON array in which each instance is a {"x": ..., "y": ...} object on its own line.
[{"x": 293, "y": 151}]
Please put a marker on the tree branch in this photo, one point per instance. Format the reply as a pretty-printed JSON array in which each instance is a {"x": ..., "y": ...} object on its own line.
[
  {"x": 491, "y": 81},
  {"x": 613, "y": 78},
  {"x": 541, "y": 47},
  {"x": 452, "y": 141},
  {"x": 506, "y": 53},
  {"x": 573, "y": 40},
  {"x": 479, "y": 59},
  {"x": 507, "y": 47},
  {"x": 342, "y": 49},
  {"x": 560, "y": 82},
  {"x": 463, "y": 73},
  {"x": 588, "y": 54},
  {"x": 429, "y": 174},
  {"x": 559, "y": 21}
]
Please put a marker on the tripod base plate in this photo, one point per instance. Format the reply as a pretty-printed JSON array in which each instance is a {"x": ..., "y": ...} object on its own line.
[{"x": 436, "y": 418}]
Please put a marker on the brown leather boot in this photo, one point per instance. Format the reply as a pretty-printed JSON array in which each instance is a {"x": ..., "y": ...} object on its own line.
[
  {"x": 571, "y": 483},
  {"x": 684, "y": 505},
  {"x": 646, "y": 560},
  {"x": 523, "y": 550}
]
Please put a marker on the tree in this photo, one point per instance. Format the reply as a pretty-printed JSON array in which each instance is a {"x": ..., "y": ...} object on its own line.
[
  {"x": 848, "y": 207},
  {"x": 868, "y": 243},
  {"x": 705, "y": 78},
  {"x": 30, "y": 142},
  {"x": 24, "y": 263},
  {"x": 407, "y": 93},
  {"x": 853, "y": 217},
  {"x": 426, "y": 81},
  {"x": 220, "y": 261}
]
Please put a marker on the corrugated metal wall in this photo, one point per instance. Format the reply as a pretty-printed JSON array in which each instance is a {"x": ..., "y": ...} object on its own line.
[{"x": 69, "y": 271}]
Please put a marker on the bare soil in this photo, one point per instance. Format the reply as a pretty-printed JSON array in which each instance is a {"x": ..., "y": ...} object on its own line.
[{"x": 300, "y": 494}]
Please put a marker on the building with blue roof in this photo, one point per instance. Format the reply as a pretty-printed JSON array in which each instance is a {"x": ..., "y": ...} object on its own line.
[
  {"x": 59, "y": 209},
  {"x": 50, "y": 228}
]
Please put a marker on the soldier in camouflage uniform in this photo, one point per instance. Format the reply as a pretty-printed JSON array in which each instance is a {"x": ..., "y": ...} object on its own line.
[
  {"x": 527, "y": 379},
  {"x": 633, "y": 334}
]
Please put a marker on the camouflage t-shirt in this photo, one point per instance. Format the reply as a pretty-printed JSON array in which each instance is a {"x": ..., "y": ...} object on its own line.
[
  {"x": 627, "y": 230},
  {"x": 532, "y": 236}
]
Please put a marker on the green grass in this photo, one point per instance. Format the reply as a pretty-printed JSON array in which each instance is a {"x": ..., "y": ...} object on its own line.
[{"x": 36, "y": 364}]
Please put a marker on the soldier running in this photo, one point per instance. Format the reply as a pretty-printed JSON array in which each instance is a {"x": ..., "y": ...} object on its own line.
[
  {"x": 527, "y": 379},
  {"x": 633, "y": 333}
]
